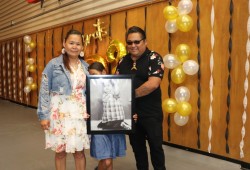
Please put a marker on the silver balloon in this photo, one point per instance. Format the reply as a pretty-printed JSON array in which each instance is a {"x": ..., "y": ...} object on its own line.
[
  {"x": 28, "y": 49},
  {"x": 171, "y": 61},
  {"x": 29, "y": 80},
  {"x": 190, "y": 67},
  {"x": 27, "y": 39},
  {"x": 180, "y": 120},
  {"x": 182, "y": 93},
  {"x": 171, "y": 26},
  {"x": 30, "y": 61},
  {"x": 185, "y": 7},
  {"x": 27, "y": 89}
]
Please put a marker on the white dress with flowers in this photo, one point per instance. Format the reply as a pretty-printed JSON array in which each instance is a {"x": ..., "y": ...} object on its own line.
[{"x": 68, "y": 131}]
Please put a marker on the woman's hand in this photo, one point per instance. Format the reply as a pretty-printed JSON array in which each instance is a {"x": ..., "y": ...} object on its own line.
[
  {"x": 86, "y": 116},
  {"x": 45, "y": 124}
]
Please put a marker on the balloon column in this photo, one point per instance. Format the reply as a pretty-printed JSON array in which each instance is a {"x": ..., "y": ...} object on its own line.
[
  {"x": 178, "y": 18},
  {"x": 181, "y": 66},
  {"x": 30, "y": 66}
]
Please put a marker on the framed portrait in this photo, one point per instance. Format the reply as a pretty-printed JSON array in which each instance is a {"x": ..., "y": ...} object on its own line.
[{"x": 110, "y": 103}]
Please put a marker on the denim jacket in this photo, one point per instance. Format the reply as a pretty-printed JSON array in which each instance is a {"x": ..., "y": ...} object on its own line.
[{"x": 56, "y": 80}]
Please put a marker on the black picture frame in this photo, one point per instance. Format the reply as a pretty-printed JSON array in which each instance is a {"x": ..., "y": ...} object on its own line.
[{"x": 110, "y": 112}]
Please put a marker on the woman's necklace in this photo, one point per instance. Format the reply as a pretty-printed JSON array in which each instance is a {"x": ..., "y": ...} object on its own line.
[{"x": 74, "y": 67}]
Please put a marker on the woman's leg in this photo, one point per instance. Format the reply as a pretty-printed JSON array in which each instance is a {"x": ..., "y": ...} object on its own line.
[
  {"x": 105, "y": 164},
  {"x": 60, "y": 160},
  {"x": 80, "y": 160}
]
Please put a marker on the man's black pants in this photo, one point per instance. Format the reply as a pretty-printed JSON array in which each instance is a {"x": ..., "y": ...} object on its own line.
[{"x": 148, "y": 129}]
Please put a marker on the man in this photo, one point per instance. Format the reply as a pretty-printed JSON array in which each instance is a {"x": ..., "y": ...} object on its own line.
[{"x": 148, "y": 68}]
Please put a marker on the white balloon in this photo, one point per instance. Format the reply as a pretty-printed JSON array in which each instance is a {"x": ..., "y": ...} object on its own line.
[
  {"x": 185, "y": 7},
  {"x": 171, "y": 61},
  {"x": 28, "y": 48},
  {"x": 180, "y": 120},
  {"x": 171, "y": 26},
  {"x": 27, "y": 39},
  {"x": 27, "y": 89},
  {"x": 190, "y": 67},
  {"x": 29, "y": 80},
  {"x": 182, "y": 93},
  {"x": 30, "y": 61}
]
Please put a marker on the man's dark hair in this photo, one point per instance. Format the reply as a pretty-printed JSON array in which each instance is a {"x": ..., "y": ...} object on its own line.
[{"x": 135, "y": 29}]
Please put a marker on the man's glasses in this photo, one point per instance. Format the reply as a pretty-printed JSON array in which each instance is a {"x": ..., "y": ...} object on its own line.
[{"x": 134, "y": 42}]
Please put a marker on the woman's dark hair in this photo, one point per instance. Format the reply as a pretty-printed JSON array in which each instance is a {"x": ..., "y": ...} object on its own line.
[
  {"x": 97, "y": 66},
  {"x": 135, "y": 29},
  {"x": 65, "y": 56}
]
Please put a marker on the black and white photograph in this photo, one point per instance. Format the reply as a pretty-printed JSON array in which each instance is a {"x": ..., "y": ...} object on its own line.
[{"x": 110, "y": 104}]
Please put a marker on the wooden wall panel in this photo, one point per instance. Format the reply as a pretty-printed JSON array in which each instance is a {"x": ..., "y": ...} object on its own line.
[
  {"x": 88, "y": 28},
  {"x": 118, "y": 26},
  {"x": 49, "y": 52},
  {"x": 21, "y": 68},
  {"x": 102, "y": 45},
  {"x": 40, "y": 58},
  {"x": 9, "y": 71},
  {"x": 155, "y": 34},
  {"x": 1, "y": 73},
  {"x": 238, "y": 76},
  {"x": 205, "y": 51},
  {"x": 57, "y": 41},
  {"x": 136, "y": 17},
  {"x": 66, "y": 28},
  {"x": 220, "y": 90},
  {"x": 14, "y": 70},
  {"x": 4, "y": 71},
  {"x": 78, "y": 26}
]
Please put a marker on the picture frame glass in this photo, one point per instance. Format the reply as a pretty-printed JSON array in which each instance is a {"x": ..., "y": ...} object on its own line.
[{"x": 110, "y": 104}]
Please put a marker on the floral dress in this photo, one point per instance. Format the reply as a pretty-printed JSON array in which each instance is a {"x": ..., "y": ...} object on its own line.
[{"x": 68, "y": 131}]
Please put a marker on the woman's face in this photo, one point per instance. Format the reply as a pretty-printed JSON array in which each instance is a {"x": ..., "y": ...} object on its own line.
[{"x": 73, "y": 45}]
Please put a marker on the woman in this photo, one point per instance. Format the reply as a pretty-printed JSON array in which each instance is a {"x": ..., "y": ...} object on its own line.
[{"x": 62, "y": 103}]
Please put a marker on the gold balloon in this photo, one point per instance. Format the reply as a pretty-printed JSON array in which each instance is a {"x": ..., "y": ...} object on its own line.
[
  {"x": 169, "y": 105},
  {"x": 116, "y": 50},
  {"x": 32, "y": 44},
  {"x": 170, "y": 12},
  {"x": 31, "y": 68},
  {"x": 183, "y": 52},
  {"x": 97, "y": 58},
  {"x": 33, "y": 86},
  {"x": 177, "y": 75},
  {"x": 184, "y": 108},
  {"x": 184, "y": 23}
]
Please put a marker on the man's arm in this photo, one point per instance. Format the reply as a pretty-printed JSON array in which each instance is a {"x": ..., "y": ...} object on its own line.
[{"x": 148, "y": 87}]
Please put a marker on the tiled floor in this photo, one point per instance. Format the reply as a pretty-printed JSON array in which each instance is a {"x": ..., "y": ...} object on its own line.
[{"x": 22, "y": 143}]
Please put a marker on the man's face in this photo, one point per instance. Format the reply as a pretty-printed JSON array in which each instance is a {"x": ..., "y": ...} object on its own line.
[{"x": 136, "y": 46}]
